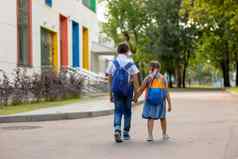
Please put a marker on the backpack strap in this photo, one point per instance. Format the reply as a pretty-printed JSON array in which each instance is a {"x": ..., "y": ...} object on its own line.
[
  {"x": 128, "y": 66},
  {"x": 116, "y": 64},
  {"x": 153, "y": 78}
]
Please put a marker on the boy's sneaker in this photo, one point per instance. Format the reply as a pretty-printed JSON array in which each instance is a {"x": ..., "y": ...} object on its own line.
[
  {"x": 117, "y": 137},
  {"x": 126, "y": 136},
  {"x": 149, "y": 139},
  {"x": 165, "y": 137}
]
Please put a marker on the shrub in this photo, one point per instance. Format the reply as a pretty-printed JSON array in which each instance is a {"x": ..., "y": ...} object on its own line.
[
  {"x": 5, "y": 89},
  {"x": 21, "y": 87},
  {"x": 47, "y": 86}
]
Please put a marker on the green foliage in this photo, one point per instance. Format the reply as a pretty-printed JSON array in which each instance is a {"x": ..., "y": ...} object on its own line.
[
  {"x": 217, "y": 21},
  {"x": 172, "y": 31}
]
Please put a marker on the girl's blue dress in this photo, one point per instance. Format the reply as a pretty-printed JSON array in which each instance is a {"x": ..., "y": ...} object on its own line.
[{"x": 154, "y": 112}]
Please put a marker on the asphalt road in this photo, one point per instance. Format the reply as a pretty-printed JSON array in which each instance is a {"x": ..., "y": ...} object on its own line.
[{"x": 203, "y": 125}]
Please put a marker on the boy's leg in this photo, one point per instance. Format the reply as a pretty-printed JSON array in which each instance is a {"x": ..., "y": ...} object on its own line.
[
  {"x": 117, "y": 118},
  {"x": 118, "y": 112},
  {"x": 127, "y": 117}
]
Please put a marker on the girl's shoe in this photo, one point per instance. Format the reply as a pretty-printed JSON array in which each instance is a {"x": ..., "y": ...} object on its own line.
[
  {"x": 166, "y": 137},
  {"x": 117, "y": 137},
  {"x": 149, "y": 139}
]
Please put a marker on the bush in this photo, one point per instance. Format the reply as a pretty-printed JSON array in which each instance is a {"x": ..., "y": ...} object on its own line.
[
  {"x": 47, "y": 86},
  {"x": 21, "y": 87},
  {"x": 5, "y": 89}
]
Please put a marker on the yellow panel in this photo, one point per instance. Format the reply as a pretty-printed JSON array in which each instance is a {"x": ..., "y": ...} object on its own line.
[
  {"x": 85, "y": 49},
  {"x": 55, "y": 51}
]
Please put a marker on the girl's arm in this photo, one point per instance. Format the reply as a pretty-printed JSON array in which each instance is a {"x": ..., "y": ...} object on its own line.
[
  {"x": 168, "y": 97},
  {"x": 169, "y": 102}
]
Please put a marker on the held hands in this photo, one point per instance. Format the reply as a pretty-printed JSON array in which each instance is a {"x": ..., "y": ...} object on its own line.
[
  {"x": 135, "y": 99},
  {"x": 136, "y": 96}
]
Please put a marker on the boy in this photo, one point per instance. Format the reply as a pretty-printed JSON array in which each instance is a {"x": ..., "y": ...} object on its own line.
[{"x": 121, "y": 68}]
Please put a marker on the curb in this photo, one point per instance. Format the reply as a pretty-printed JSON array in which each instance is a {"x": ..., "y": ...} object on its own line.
[
  {"x": 61, "y": 116},
  {"x": 232, "y": 93}
]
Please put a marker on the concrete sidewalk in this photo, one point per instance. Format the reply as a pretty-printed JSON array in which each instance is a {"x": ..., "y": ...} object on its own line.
[{"x": 87, "y": 107}]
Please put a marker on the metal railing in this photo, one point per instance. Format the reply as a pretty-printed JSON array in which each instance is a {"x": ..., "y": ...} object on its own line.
[{"x": 93, "y": 83}]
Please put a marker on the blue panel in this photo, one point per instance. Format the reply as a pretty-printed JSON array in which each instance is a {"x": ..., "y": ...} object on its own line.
[
  {"x": 48, "y": 2},
  {"x": 76, "y": 44}
]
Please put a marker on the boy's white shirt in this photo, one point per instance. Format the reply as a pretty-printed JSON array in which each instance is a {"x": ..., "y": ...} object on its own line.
[{"x": 123, "y": 60}]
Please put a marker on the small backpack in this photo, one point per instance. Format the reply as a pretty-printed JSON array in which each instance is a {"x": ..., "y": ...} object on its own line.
[
  {"x": 120, "y": 79},
  {"x": 156, "y": 91}
]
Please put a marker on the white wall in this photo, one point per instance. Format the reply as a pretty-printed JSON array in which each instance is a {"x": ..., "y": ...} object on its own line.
[
  {"x": 42, "y": 15},
  {"x": 48, "y": 17},
  {"x": 8, "y": 35}
]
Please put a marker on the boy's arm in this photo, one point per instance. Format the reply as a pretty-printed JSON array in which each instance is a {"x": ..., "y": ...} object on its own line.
[
  {"x": 109, "y": 72},
  {"x": 110, "y": 87},
  {"x": 141, "y": 89},
  {"x": 136, "y": 86}
]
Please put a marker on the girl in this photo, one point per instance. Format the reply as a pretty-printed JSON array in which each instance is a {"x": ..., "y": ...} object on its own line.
[{"x": 153, "y": 108}]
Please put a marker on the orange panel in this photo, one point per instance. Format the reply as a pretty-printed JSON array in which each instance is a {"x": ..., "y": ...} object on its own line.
[{"x": 64, "y": 41}]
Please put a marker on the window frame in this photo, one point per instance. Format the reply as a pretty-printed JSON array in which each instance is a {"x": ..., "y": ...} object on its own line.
[
  {"x": 49, "y": 3},
  {"x": 24, "y": 59}
]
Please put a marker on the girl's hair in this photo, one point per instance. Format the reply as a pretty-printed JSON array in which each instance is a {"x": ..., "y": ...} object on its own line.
[{"x": 155, "y": 65}]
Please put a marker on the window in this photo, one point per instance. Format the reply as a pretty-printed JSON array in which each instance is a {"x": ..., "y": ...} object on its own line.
[
  {"x": 48, "y": 2},
  {"x": 91, "y": 4},
  {"x": 24, "y": 32}
]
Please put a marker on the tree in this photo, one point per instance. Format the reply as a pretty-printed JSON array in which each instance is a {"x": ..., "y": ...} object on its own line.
[
  {"x": 126, "y": 22},
  {"x": 216, "y": 20},
  {"x": 150, "y": 27}
]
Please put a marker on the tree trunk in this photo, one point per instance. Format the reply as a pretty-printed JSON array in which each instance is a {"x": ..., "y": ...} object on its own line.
[
  {"x": 237, "y": 71},
  {"x": 226, "y": 77},
  {"x": 184, "y": 76},
  {"x": 226, "y": 70},
  {"x": 225, "y": 65},
  {"x": 179, "y": 77},
  {"x": 170, "y": 80}
]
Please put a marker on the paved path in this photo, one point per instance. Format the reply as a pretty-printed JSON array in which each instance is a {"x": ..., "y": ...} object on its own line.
[
  {"x": 85, "y": 105},
  {"x": 203, "y": 125},
  {"x": 86, "y": 108}
]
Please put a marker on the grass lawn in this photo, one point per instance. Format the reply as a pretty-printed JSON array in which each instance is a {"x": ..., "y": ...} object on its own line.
[
  {"x": 7, "y": 110},
  {"x": 233, "y": 90}
]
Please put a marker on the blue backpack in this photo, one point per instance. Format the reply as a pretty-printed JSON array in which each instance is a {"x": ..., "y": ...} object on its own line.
[
  {"x": 120, "y": 79},
  {"x": 156, "y": 92}
]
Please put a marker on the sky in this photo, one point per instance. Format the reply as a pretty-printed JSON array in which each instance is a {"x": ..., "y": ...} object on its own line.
[{"x": 101, "y": 10}]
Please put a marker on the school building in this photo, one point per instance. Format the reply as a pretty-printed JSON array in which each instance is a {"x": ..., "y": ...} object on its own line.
[{"x": 48, "y": 33}]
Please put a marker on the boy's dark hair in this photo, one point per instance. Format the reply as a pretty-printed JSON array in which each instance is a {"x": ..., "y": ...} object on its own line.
[
  {"x": 123, "y": 48},
  {"x": 155, "y": 64}
]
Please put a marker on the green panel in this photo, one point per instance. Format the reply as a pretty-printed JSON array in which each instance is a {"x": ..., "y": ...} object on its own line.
[
  {"x": 91, "y": 4},
  {"x": 23, "y": 31},
  {"x": 46, "y": 48}
]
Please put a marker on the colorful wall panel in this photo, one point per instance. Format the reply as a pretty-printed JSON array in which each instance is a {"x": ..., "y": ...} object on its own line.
[
  {"x": 85, "y": 48},
  {"x": 24, "y": 32},
  {"x": 63, "y": 41},
  {"x": 76, "y": 44},
  {"x": 49, "y": 49}
]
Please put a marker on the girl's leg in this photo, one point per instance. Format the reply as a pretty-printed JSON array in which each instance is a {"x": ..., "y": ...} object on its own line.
[
  {"x": 150, "y": 127},
  {"x": 163, "y": 123}
]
